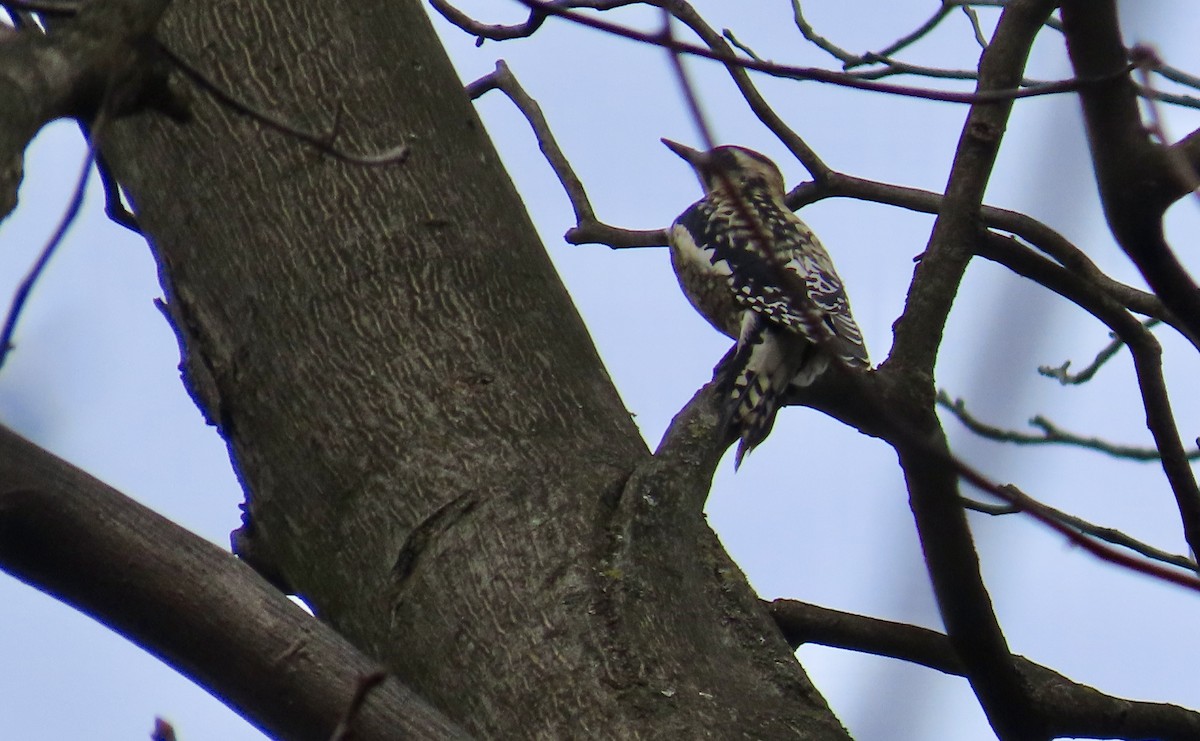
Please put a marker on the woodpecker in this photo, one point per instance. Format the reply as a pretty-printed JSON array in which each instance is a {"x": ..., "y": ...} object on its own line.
[{"x": 759, "y": 275}]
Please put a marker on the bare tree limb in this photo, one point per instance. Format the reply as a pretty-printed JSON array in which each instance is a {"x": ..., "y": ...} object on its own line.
[
  {"x": 1124, "y": 154},
  {"x": 850, "y": 60},
  {"x": 587, "y": 227},
  {"x": 1051, "y": 434},
  {"x": 890, "y": 66},
  {"x": 282, "y": 669},
  {"x": 1106, "y": 353},
  {"x": 1027, "y": 228},
  {"x": 1107, "y": 534},
  {"x": 976, "y": 27},
  {"x": 950, "y": 555},
  {"x": 727, "y": 34},
  {"x": 500, "y": 32},
  {"x": 1071, "y": 709}
]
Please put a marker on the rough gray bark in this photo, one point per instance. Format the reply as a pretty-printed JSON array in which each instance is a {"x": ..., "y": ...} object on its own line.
[{"x": 435, "y": 458}]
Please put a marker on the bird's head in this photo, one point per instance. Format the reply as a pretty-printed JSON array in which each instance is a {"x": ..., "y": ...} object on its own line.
[{"x": 743, "y": 168}]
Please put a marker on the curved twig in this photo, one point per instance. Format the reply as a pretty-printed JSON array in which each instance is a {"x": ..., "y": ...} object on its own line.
[
  {"x": 587, "y": 229},
  {"x": 1108, "y": 352},
  {"x": 323, "y": 142},
  {"x": 39, "y": 265}
]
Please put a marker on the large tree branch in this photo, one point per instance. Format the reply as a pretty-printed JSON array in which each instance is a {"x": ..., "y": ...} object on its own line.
[
  {"x": 933, "y": 486},
  {"x": 193, "y": 605},
  {"x": 1136, "y": 176},
  {"x": 1071, "y": 709},
  {"x": 918, "y": 332}
]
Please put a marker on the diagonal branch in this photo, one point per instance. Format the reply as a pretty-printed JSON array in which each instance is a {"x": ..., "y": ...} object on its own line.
[
  {"x": 1107, "y": 534},
  {"x": 1071, "y": 709},
  {"x": 285, "y": 671},
  {"x": 39, "y": 265}
]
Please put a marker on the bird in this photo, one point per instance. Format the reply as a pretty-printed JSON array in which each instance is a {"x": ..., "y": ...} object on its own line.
[{"x": 760, "y": 276}]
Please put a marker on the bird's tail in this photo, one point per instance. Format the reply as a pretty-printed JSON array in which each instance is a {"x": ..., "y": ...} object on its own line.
[{"x": 757, "y": 377}]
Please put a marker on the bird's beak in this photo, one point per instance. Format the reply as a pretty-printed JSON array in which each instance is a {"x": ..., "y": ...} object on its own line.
[{"x": 694, "y": 157}]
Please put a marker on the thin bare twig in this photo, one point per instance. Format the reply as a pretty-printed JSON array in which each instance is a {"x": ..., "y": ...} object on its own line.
[
  {"x": 1174, "y": 74},
  {"x": 499, "y": 32},
  {"x": 490, "y": 32},
  {"x": 820, "y": 75},
  {"x": 1051, "y": 434},
  {"x": 973, "y": 17},
  {"x": 322, "y": 142},
  {"x": 39, "y": 265},
  {"x": 728, "y": 34},
  {"x": 588, "y": 228},
  {"x": 847, "y": 58},
  {"x": 891, "y": 66},
  {"x": 1106, "y": 353},
  {"x": 1107, "y": 534}
]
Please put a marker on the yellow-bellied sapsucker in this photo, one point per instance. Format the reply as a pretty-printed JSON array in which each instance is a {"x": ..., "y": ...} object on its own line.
[{"x": 758, "y": 274}]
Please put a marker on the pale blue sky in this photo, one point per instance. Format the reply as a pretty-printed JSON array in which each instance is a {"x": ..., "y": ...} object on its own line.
[{"x": 818, "y": 512}]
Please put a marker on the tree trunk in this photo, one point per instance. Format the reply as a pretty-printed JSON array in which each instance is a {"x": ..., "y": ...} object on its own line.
[{"x": 433, "y": 454}]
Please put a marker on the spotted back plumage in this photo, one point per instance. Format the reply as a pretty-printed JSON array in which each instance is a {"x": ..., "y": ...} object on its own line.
[{"x": 758, "y": 274}]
